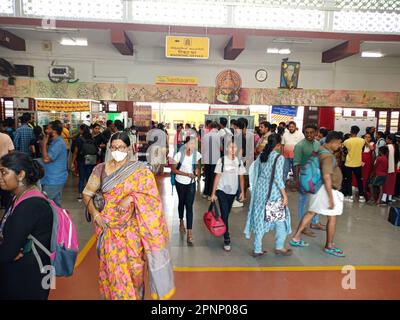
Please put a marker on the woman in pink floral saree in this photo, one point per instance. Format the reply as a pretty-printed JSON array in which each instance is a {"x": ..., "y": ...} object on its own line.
[{"x": 130, "y": 228}]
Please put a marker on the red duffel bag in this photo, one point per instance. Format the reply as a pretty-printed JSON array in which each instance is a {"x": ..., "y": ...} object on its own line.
[{"x": 213, "y": 221}]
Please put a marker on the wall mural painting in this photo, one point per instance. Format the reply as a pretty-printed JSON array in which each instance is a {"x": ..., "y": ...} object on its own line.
[
  {"x": 227, "y": 87},
  {"x": 228, "y": 90}
]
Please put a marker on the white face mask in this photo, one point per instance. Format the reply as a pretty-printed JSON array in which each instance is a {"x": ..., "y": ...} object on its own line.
[{"x": 119, "y": 155}]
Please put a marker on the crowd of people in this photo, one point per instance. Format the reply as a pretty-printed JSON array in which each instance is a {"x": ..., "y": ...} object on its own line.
[
  {"x": 354, "y": 168},
  {"x": 122, "y": 198}
]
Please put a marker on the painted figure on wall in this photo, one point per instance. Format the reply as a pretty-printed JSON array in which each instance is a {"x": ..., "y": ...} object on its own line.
[
  {"x": 228, "y": 84},
  {"x": 289, "y": 74}
]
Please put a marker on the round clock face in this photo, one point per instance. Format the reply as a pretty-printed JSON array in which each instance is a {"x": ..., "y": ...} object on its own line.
[{"x": 261, "y": 75}]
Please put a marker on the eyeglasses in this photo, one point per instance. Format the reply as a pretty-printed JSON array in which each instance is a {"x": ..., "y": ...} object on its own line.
[{"x": 118, "y": 148}]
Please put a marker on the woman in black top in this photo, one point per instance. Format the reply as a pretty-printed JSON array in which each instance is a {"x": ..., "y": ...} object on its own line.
[
  {"x": 20, "y": 276},
  {"x": 84, "y": 151}
]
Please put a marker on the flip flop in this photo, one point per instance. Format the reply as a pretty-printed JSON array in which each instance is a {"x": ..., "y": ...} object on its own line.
[
  {"x": 289, "y": 252},
  {"x": 318, "y": 227},
  {"x": 256, "y": 255},
  {"x": 300, "y": 243},
  {"x": 335, "y": 252},
  {"x": 309, "y": 233}
]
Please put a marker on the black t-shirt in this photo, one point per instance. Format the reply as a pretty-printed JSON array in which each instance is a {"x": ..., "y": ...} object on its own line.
[
  {"x": 99, "y": 139},
  {"x": 22, "y": 279},
  {"x": 36, "y": 143},
  {"x": 78, "y": 143}
]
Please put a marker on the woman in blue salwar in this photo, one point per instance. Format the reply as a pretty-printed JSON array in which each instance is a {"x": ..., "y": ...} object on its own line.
[{"x": 269, "y": 165}]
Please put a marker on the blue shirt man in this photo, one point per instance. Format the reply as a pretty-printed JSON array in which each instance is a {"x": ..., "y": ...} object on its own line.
[
  {"x": 55, "y": 160},
  {"x": 23, "y": 135}
]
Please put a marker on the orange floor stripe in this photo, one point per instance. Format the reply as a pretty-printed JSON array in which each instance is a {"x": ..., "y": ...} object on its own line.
[{"x": 233, "y": 285}]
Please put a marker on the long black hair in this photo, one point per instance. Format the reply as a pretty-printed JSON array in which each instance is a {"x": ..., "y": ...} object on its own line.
[
  {"x": 85, "y": 132},
  {"x": 121, "y": 136},
  {"x": 20, "y": 161},
  {"x": 273, "y": 140},
  {"x": 392, "y": 138}
]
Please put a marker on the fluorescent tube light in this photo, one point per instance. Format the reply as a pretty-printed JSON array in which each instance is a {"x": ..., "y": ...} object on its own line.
[
  {"x": 284, "y": 51},
  {"x": 370, "y": 54},
  {"x": 272, "y": 50},
  {"x": 74, "y": 42}
]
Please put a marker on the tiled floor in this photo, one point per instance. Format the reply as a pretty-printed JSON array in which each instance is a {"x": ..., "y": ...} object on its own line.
[{"x": 362, "y": 231}]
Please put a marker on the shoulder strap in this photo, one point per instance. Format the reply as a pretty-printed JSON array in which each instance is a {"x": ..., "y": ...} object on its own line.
[
  {"x": 272, "y": 177},
  {"x": 324, "y": 151},
  {"x": 222, "y": 163},
  {"x": 27, "y": 195},
  {"x": 182, "y": 152}
]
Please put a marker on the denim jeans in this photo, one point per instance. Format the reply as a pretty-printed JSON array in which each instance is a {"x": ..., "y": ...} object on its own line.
[
  {"x": 54, "y": 192},
  {"x": 289, "y": 165},
  {"x": 209, "y": 176},
  {"x": 85, "y": 171},
  {"x": 225, "y": 204},
  {"x": 186, "y": 194},
  {"x": 303, "y": 206},
  {"x": 280, "y": 238}
]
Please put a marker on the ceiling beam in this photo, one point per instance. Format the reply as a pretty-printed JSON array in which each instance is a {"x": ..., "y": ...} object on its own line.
[
  {"x": 202, "y": 30},
  {"x": 11, "y": 41},
  {"x": 235, "y": 46},
  {"x": 342, "y": 51},
  {"x": 121, "y": 41}
]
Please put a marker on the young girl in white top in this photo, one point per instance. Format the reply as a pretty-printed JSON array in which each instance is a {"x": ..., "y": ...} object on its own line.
[
  {"x": 186, "y": 167},
  {"x": 228, "y": 170}
]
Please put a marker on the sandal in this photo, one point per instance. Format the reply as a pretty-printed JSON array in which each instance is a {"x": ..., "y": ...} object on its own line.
[
  {"x": 189, "y": 240},
  {"x": 256, "y": 255},
  {"x": 335, "y": 252},
  {"x": 308, "y": 233},
  {"x": 318, "y": 226},
  {"x": 286, "y": 253},
  {"x": 182, "y": 229},
  {"x": 300, "y": 243}
]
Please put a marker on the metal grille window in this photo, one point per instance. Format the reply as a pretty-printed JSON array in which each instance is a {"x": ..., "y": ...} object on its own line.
[
  {"x": 74, "y": 9},
  {"x": 179, "y": 13},
  {"x": 7, "y": 6},
  {"x": 279, "y": 18},
  {"x": 381, "y": 5},
  {"x": 384, "y": 22}
]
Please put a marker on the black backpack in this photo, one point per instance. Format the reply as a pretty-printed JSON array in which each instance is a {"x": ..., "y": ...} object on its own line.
[{"x": 88, "y": 147}]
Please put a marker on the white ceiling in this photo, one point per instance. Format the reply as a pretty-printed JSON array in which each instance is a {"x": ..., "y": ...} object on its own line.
[{"x": 157, "y": 40}]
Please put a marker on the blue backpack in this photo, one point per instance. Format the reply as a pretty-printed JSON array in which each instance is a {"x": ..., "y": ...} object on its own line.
[{"x": 310, "y": 174}]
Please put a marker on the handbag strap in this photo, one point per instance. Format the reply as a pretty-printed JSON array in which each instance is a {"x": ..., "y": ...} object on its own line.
[
  {"x": 214, "y": 208},
  {"x": 272, "y": 177}
]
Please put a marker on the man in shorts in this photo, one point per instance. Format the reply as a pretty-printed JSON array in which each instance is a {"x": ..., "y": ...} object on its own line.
[{"x": 328, "y": 200}]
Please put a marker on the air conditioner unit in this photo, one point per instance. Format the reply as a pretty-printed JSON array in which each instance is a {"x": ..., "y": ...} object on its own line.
[{"x": 62, "y": 72}]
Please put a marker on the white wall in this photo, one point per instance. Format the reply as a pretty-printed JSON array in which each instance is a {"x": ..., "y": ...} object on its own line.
[{"x": 100, "y": 62}]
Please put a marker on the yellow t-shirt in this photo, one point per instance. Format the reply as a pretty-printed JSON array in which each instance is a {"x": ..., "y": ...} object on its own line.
[
  {"x": 65, "y": 135},
  {"x": 354, "y": 148}
]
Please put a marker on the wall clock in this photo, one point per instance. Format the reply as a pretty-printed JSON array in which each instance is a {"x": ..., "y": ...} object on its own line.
[{"x": 261, "y": 75}]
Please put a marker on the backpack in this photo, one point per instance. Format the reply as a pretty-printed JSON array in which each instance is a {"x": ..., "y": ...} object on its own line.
[
  {"x": 310, "y": 174},
  {"x": 89, "y": 147},
  {"x": 394, "y": 216},
  {"x": 89, "y": 151},
  {"x": 64, "y": 241}
]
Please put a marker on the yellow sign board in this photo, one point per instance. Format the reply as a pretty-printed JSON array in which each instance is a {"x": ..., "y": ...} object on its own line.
[
  {"x": 187, "y": 47},
  {"x": 170, "y": 80}
]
